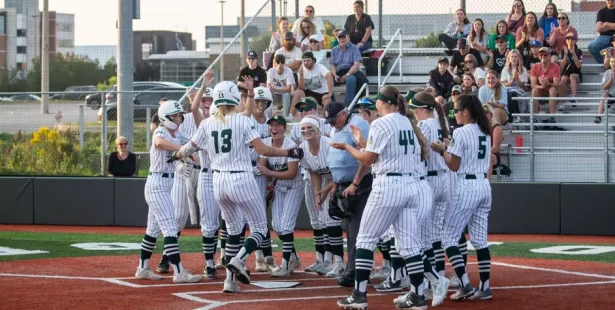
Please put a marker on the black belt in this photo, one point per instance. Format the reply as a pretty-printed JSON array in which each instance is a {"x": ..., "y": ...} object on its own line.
[
  {"x": 229, "y": 171},
  {"x": 253, "y": 164},
  {"x": 434, "y": 173},
  {"x": 196, "y": 167},
  {"x": 473, "y": 176},
  {"x": 391, "y": 174},
  {"x": 204, "y": 170},
  {"x": 164, "y": 175}
]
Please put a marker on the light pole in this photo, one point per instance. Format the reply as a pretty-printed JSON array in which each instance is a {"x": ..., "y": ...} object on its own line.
[
  {"x": 221, "y": 39},
  {"x": 45, "y": 60},
  {"x": 37, "y": 43}
]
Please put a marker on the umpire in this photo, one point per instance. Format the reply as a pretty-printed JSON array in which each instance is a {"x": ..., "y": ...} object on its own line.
[{"x": 352, "y": 180}]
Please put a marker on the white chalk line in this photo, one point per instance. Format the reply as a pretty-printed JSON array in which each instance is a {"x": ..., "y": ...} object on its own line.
[{"x": 576, "y": 273}]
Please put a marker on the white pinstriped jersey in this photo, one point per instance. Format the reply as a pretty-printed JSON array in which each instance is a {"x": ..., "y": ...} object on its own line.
[
  {"x": 316, "y": 163},
  {"x": 262, "y": 130},
  {"x": 392, "y": 138},
  {"x": 432, "y": 131},
  {"x": 188, "y": 126},
  {"x": 227, "y": 143},
  {"x": 473, "y": 147},
  {"x": 158, "y": 157},
  {"x": 202, "y": 153},
  {"x": 295, "y": 132},
  {"x": 280, "y": 163}
]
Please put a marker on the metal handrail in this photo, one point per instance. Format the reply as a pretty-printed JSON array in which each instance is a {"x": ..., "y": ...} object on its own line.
[
  {"x": 211, "y": 66},
  {"x": 397, "y": 33},
  {"x": 356, "y": 97}
]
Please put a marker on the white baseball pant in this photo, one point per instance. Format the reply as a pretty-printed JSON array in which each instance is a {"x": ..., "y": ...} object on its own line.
[
  {"x": 161, "y": 213},
  {"x": 180, "y": 197},
  {"x": 285, "y": 206},
  {"x": 207, "y": 204},
  {"x": 317, "y": 217},
  {"x": 431, "y": 230}
]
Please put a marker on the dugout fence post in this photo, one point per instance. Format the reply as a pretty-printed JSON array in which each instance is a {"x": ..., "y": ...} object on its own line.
[
  {"x": 103, "y": 133},
  {"x": 532, "y": 176},
  {"x": 605, "y": 117},
  {"x": 81, "y": 128},
  {"x": 148, "y": 136}
]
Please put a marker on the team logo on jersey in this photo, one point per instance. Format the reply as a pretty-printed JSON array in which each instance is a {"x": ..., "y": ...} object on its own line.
[
  {"x": 323, "y": 170},
  {"x": 279, "y": 167}
]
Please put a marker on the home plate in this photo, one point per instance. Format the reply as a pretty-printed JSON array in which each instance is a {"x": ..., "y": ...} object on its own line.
[{"x": 273, "y": 284}]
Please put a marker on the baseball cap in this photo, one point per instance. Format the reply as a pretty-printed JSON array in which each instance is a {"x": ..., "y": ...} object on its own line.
[
  {"x": 278, "y": 118},
  {"x": 252, "y": 55},
  {"x": 457, "y": 88},
  {"x": 368, "y": 102},
  {"x": 288, "y": 36},
  {"x": 443, "y": 59},
  {"x": 342, "y": 33},
  {"x": 332, "y": 110},
  {"x": 308, "y": 101},
  {"x": 572, "y": 35},
  {"x": 502, "y": 38},
  {"x": 544, "y": 49},
  {"x": 462, "y": 43},
  {"x": 422, "y": 100},
  {"x": 535, "y": 43},
  {"x": 308, "y": 55},
  {"x": 410, "y": 94},
  {"x": 316, "y": 37}
]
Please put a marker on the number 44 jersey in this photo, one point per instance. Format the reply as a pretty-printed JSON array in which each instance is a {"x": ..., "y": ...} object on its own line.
[
  {"x": 227, "y": 142},
  {"x": 473, "y": 147}
]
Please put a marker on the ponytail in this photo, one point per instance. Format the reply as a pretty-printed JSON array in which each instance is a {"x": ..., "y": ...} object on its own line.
[
  {"x": 419, "y": 135},
  {"x": 401, "y": 105},
  {"x": 442, "y": 119},
  {"x": 223, "y": 111}
]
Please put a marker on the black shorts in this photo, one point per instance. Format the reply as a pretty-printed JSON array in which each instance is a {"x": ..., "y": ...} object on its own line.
[
  {"x": 317, "y": 96},
  {"x": 498, "y": 161}
]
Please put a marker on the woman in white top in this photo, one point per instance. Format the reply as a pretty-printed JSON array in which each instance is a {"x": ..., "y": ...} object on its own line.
[
  {"x": 310, "y": 15},
  {"x": 496, "y": 95},
  {"x": 479, "y": 37},
  {"x": 515, "y": 77},
  {"x": 302, "y": 38},
  {"x": 477, "y": 72}
]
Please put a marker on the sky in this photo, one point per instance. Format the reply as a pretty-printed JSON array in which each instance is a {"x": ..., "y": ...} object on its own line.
[{"x": 95, "y": 19}]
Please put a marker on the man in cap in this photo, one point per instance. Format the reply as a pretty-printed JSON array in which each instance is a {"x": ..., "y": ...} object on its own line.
[
  {"x": 497, "y": 56},
  {"x": 441, "y": 80},
  {"x": 352, "y": 180},
  {"x": 314, "y": 80},
  {"x": 457, "y": 66},
  {"x": 344, "y": 66},
  {"x": 532, "y": 58},
  {"x": 253, "y": 70},
  {"x": 291, "y": 52},
  {"x": 545, "y": 80}
]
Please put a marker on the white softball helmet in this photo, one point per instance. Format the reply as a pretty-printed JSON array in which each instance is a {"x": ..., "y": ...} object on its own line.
[
  {"x": 263, "y": 93},
  {"x": 212, "y": 110},
  {"x": 226, "y": 93},
  {"x": 208, "y": 93},
  {"x": 168, "y": 108}
]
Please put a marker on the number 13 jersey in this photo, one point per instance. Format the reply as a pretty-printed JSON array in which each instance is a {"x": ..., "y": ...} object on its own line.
[
  {"x": 398, "y": 149},
  {"x": 228, "y": 142},
  {"x": 473, "y": 147}
]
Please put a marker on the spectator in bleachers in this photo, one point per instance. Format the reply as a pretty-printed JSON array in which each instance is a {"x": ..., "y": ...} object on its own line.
[
  {"x": 281, "y": 82},
  {"x": 276, "y": 37},
  {"x": 291, "y": 53},
  {"x": 459, "y": 29},
  {"x": 310, "y": 14},
  {"x": 457, "y": 66},
  {"x": 514, "y": 77},
  {"x": 478, "y": 38},
  {"x": 548, "y": 21},
  {"x": 501, "y": 30},
  {"x": 253, "y": 70},
  {"x": 532, "y": 58},
  {"x": 315, "y": 48},
  {"x": 360, "y": 26},
  {"x": 530, "y": 31},
  {"x": 605, "y": 25},
  {"x": 478, "y": 73},
  {"x": 571, "y": 60},
  {"x": 314, "y": 80},
  {"x": 608, "y": 86},
  {"x": 545, "y": 80},
  {"x": 449, "y": 108},
  {"x": 516, "y": 18},
  {"x": 493, "y": 93},
  {"x": 497, "y": 56},
  {"x": 303, "y": 36},
  {"x": 557, "y": 40},
  {"x": 468, "y": 85},
  {"x": 122, "y": 163},
  {"x": 608, "y": 52},
  {"x": 441, "y": 81},
  {"x": 344, "y": 66},
  {"x": 334, "y": 42}
]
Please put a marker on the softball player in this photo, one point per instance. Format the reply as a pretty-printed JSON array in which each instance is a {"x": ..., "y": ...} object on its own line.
[
  {"x": 226, "y": 136},
  {"x": 307, "y": 107},
  {"x": 161, "y": 214},
  {"x": 396, "y": 198},
  {"x": 287, "y": 191},
  {"x": 468, "y": 154}
]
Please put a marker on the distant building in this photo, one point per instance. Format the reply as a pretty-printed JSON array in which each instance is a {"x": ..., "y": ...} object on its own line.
[
  {"x": 148, "y": 43},
  {"x": 101, "y": 52},
  {"x": 183, "y": 67},
  {"x": 232, "y": 61}
]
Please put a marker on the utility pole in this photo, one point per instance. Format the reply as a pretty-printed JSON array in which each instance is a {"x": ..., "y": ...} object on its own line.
[
  {"x": 45, "y": 60},
  {"x": 221, "y": 39},
  {"x": 242, "y": 38},
  {"x": 462, "y": 4},
  {"x": 125, "y": 110}
]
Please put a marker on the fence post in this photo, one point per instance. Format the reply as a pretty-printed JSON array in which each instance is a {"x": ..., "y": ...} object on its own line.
[
  {"x": 103, "y": 133},
  {"x": 605, "y": 117},
  {"x": 148, "y": 118},
  {"x": 81, "y": 128},
  {"x": 380, "y": 38},
  {"x": 532, "y": 176}
]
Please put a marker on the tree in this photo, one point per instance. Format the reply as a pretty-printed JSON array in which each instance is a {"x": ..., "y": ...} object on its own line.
[
  {"x": 10, "y": 81},
  {"x": 69, "y": 70},
  {"x": 260, "y": 43},
  {"x": 427, "y": 42}
]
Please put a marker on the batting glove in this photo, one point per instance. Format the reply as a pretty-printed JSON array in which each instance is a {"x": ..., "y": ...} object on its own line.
[{"x": 295, "y": 153}]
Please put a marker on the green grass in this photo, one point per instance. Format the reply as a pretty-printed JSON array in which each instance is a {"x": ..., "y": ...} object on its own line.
[{"x": 59, "y": 245}]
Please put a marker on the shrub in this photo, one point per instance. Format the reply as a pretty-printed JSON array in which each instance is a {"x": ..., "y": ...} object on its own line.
[{"x": 429, "y": 41}]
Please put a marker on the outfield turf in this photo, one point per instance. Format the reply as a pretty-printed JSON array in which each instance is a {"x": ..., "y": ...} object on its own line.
[{"x": 59, "y": 245}]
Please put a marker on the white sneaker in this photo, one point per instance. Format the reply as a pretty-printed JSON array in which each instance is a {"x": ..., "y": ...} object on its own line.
[
  {"x": 336, "y": 271},
  {"x": 439, "y": 291},
  {"x": 271, "y": 266},
  {"x": 454, "y": 281},
  {"x": 294, "y": 264},
  {"x": 146, "y": 273},
  {"x": 381, "y": 274},
  {"x": 325, "y": 267},
  {"x": 313, "y": 267},
  {"x": 405, "y": 282},
  {"x": 280, "y": 272},
  {"x": 237, "y": 267},
  {"x": 231, "y": 287},
  {"x": 219, "y": 262},
  {"x": 261, "y": 265},
  {"x": 186, "y": 277}
]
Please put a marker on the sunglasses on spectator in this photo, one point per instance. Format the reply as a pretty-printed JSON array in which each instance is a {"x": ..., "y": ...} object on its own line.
[
  {"x": 122, "y": 144},
  {"x": 309, "y": 11},
  {"x": 562, "y": 18},
  {"x": 313, "y": 41},
  {"x": 457, "y": 110},
  {"x": 517, "y": 5},
  {"x": 542, "y": 55},
  {"x": 341, "y": 37},
  {"x": 305, "y": 109}
]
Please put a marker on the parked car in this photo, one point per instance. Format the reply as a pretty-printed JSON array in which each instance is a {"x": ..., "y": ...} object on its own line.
[
  {"x": 80, "y": 92},
  {"x": 141, "y": 101},
  {"x": 93, "y": 100},
  {"x": 21, "y": 97}
]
